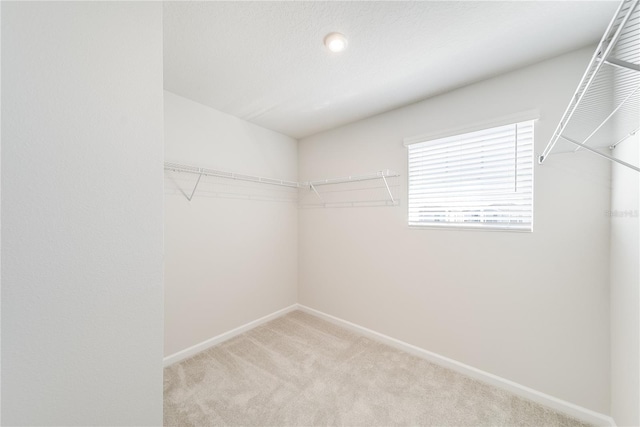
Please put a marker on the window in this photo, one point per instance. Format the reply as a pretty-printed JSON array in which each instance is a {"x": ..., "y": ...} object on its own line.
[{"x": 481, "y": 179}]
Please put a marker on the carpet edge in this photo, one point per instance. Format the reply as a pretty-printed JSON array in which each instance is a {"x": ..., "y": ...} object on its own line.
[
  {"x": 206, "y": 344},
  {"x": 567, "y": 408}
]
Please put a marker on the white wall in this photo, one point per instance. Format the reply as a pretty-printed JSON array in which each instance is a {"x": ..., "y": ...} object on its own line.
[
  {"x": 625, "y": 284},
  {"x": 82, "y": 213},
  {"x": 529, "y": 307},
  {"x": 228, "y": 260},
  {"x": 0, "y": 216}
]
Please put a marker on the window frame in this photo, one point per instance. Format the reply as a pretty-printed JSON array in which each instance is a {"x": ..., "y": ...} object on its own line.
[{"x": 528, "y": 116}]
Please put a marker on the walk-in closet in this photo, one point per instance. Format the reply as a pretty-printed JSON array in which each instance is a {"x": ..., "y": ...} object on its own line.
[{"x": 300, "y": 213}]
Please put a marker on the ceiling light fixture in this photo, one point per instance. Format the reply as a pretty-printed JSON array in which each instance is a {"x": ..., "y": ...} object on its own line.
[{"x": 335, "y": 42}]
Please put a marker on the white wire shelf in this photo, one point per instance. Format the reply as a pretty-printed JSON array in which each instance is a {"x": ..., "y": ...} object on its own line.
[
  {"x": 360, "y": 204},
  {"x": 381, "y": 195},
  {"x": 605, "y": 108},
  {"x": 310, "y": 186},
  {"x": 378, "y": 175},
  {"x": 176, "y": 167}
]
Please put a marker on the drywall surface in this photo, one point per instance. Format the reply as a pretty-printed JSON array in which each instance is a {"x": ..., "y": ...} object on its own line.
[
  {"x": 231, "y": 252},
  {"x": 625, "y": 287},
  {"x": 0, "y": 217},
  {"x": 82, "y": 213},
  {"x": 530, "y": 307}
]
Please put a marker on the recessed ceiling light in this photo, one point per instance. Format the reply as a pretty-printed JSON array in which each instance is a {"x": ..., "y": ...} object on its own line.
[{"x": 335, "y": 42}]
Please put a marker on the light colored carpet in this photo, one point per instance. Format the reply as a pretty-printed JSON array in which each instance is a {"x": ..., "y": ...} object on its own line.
[{"x": 299, "y": 370}]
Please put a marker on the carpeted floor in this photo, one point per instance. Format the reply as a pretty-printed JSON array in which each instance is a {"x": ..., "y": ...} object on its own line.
[{"x": 299, "y": 370}]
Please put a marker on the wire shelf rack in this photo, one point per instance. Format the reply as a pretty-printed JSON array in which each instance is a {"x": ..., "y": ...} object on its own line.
[
  {"x": 318, "y": 193},
  {"x": 605, "y": 108}
]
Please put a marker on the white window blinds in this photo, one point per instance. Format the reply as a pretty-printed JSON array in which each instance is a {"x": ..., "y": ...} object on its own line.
[{"x": 481, "y": 179}]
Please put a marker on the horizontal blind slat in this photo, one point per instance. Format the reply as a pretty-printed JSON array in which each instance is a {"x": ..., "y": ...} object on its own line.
[
  {"x": 481, "y": 178},
  {"x": 468, "y": 147},
  {"x": 485, "y": 156},
  {"x": 460, "y": 155},
  {"x": 454, "y": 178},
  {"x": 524, "y": 128},
  {"x": 469, "y": 139}
]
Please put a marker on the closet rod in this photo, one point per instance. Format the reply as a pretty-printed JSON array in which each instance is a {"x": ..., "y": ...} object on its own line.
[
  {"x": 378, "y": 175},
  {"x": 176, "y": 167},
  {"x": 613, "y": 159}
]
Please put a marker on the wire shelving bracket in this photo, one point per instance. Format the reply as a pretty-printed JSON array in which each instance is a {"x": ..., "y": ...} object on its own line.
[
  {"x": 382, "y": 175},
  {"x": 177, "y": 167}
]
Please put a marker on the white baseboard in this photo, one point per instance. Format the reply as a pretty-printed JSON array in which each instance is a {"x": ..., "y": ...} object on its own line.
[
  {"x": 575, "y": 411},
  {"x": 195, "y": 349},
  {"x": 559, "y": 405}
]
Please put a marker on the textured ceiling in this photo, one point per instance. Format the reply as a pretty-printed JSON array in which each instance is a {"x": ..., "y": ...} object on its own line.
[{"x": 265, "y": 61}]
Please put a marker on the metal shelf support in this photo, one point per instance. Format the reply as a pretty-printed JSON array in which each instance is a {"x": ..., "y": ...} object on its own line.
[
  {"x": 194, "y": 188},
  {"x": 615, "y": 51},
  {"x": 613, "y": 159}
]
